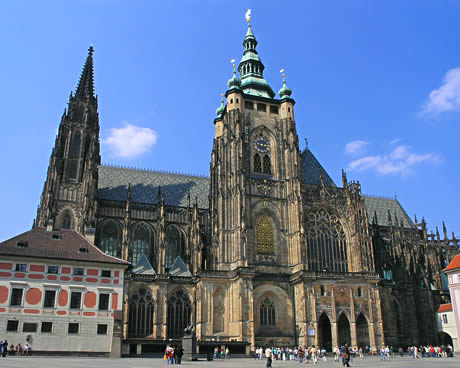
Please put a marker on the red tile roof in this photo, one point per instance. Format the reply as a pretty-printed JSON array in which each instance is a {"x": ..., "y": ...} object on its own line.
[
  {"x": 445, "y": 308},
  {"x": 62, "y": 245},
  {"x": 454, "y": 264}
]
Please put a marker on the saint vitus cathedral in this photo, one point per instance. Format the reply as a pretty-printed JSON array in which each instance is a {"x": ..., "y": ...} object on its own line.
[{"x": 266, "y": 251}]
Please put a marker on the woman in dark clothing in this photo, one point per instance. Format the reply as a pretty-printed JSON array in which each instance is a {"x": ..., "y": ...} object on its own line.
[{"x": 178, "y": 353}]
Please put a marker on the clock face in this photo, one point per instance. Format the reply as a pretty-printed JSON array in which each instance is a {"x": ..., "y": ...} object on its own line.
[{"x": 262, "y": 144}]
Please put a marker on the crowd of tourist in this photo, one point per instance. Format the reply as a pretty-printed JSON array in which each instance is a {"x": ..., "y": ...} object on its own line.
[
  {"x": 12, "y": 349},
  {"x": 173, "y": 354},
  {"x": 430, "y": 351}
]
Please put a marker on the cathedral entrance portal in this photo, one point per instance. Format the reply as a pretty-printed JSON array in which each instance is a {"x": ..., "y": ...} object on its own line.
[
  {"x": 343, "y": 326},
  {"x": 362, "y": 330},
  {"x": 445, "y": 339},
  {"x": 324, "y": 332}
]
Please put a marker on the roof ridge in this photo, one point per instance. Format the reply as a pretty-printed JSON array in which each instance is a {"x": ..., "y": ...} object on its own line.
[
  {"x": 154, "y": 170},
  {"x": 97, "y": 248},
  {"x": 380, "y": 196}
]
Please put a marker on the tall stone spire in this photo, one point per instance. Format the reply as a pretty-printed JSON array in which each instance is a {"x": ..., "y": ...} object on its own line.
[
  {"x": 251, "y": 68},
  {"x": 85, "y": 89}
]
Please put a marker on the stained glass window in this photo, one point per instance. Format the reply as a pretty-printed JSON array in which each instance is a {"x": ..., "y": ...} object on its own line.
[
  {"x": 326, "y": 243},
  {"x": 174, "y": 245},
  {"x": 267, "y": 165},
  {"x": 267, "y": 313},
  {"x": 257, "y": 163},
  {"x": 179, "y": 311},
  {"x": 140, "y": 319},
  {"x": 142, "y": 243},
  {"x": 264, "y": 234},
  {"x": 110, "y": 239}
]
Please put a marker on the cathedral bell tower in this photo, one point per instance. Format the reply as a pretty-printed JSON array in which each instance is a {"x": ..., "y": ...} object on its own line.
[
  {"x": 69, "y": 193},
  {"x": 256, "y": 202}
]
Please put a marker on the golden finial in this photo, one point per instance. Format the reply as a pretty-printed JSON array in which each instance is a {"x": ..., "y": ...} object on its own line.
[
  {"x": 233, "y": 63},
  {"x": 248, "y": 16},
  {"x": 283, "y": 74}
]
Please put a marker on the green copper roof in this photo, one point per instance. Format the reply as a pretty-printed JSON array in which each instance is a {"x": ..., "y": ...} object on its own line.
[
  {"x": 285, "y": 92},
  {"x": 251, "y": 69},
  {"x": 220, "y": 110},
  {"x": 234, "y": 82}
]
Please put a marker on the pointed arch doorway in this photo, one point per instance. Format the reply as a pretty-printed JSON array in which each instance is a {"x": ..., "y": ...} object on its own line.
[
  {"x": 343, "y": 330},
  {"x": 325, "y": 332},
  {"x": 362, "y": 330}
]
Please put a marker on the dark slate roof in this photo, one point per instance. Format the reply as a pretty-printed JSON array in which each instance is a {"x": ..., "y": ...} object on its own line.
[
  {"x": 113, "y": 185},
  {"x": 143, "y": 267},
  {"x": 179, "y": 268},
  {"x": 41, "y": 244},
  {"x": 381, "y": 206},
  {"x": 311, "y": 169}
]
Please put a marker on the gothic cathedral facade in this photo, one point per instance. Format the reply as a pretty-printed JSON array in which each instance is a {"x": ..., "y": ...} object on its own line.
[{"x": 266, "y": 251}]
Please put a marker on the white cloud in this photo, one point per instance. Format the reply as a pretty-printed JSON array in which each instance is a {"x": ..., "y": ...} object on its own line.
[
  {"x": 394, "y": 141},
  {"x": 399, "y": 161},
  {"x": 445, "y": 98},
  {"x": 130, "y": 141},
  {"x": 355, "y": 147}
]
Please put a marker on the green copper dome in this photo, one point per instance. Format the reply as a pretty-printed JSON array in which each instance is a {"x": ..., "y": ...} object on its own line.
[
  {"x": 285, "y": 91},
  {"x": 234, "y": 82},
  {"x": 220, "y": 109}
]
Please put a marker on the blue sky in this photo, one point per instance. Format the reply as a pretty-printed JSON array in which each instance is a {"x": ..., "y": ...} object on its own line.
[{"x": 376, "y": 84}]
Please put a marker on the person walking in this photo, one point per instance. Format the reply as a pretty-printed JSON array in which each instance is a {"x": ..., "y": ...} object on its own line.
[
  {"x": 336, "y": 354},
  {"x": 268, "y": 355},
  {"x": 346, "y": 356},
  {"x": 314, "y": 354},
  {"x": 227, "y": 353}
]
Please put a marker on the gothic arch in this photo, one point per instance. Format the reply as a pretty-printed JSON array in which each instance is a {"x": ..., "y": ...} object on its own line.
[
  {"x": 362, "y": 330},
  {"x": 282, "y": 305},
  {"x": 263, "y": 162},
  {"x": 325, "y": 331},
  {"x": 179, "y": 313},
  {"x": 66, "y": 220},
  {"x": 109, "y": 238},
  {"x": 267, "y": 312},
  {"x": 327, "y": 247},
  {"x": 343, "y": 329},
  {"x": 142, "y": 243},
  {"x": 140, "y": 312},
  {"x": 396, "y": 307},
  {"x": 175, "y": 245},
  {"x": 75, "y": 144}
]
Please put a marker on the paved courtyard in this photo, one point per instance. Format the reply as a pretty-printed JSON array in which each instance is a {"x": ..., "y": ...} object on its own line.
[{"x": 74, "y": 362}]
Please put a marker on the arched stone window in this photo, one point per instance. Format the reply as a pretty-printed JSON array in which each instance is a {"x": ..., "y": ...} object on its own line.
[
  {"x": 257, "y": 163},
  {"x": 264, "y": 234},
  {"x": 179, "y": 311},
  {"x": 174, "y": 245},
  {"x": 267, "y": 165},
  {"x": 397, "y": 316},
  {"x": 109, "y": 239},
  {"x": 267, "y": 313},
  {"x": 67, "y": 221},
  {"x": 140, "y": 318},
  {"x": 75, "y": 143},
  {"x": 142, "y": 242},
  {"x": 326, "y": 243}
]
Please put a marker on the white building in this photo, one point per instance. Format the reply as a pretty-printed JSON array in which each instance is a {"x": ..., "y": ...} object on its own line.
[
  {"x": 60, "y": 294},
  {"x": 453, "y": 273},
  {"x": 446, "y": 326}
]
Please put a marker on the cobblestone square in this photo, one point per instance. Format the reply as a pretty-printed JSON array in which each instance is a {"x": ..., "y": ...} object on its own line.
[{"x": 77, "y": 362}]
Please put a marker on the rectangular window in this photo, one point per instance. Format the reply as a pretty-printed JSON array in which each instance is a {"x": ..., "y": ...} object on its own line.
[
  {"x": 16, "y": 297},
  {"x": 73, "y": 328},
  {"x": 75, "y": 300},
  {"x": 248, "y": 105},
  {"x": 21, "y": 267},
  {"x": 102, "y": 329},
  {"x": 12, "y": 326},
  {"x": 104, "y": 301},
  {"x": 273, "y": 109},
  {"x": 78, "y": 271},
  {"x": 444, "y": 318},
  {"x": 261, "y": 107},
  {"x": 53, "y": 269},
  {"x": 29, "y": 327},
  {"x": 47, "y": 327},
  {"x": 50, "y": 297},
  {"x": 106, "y": 273}
]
